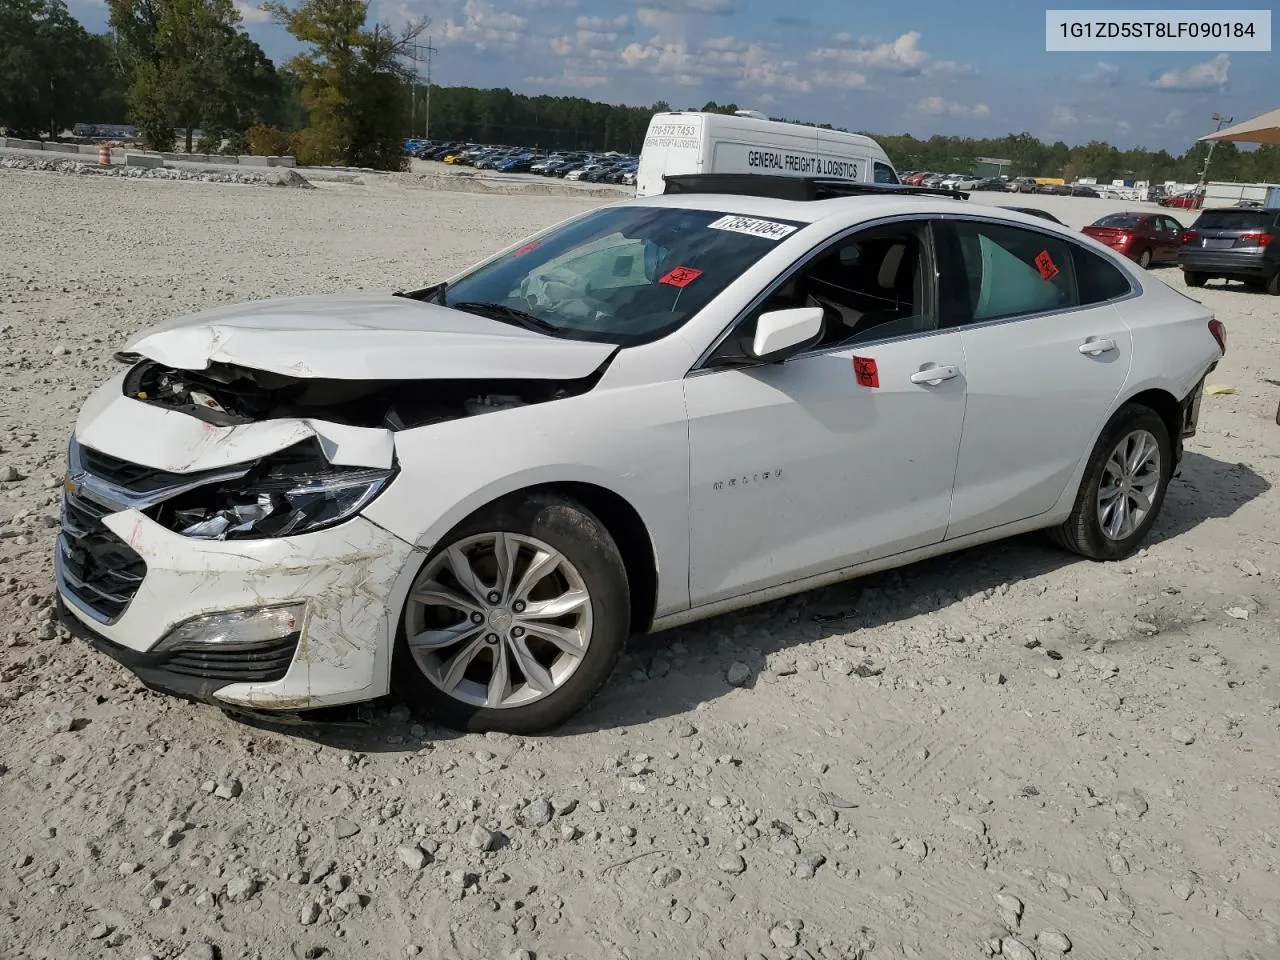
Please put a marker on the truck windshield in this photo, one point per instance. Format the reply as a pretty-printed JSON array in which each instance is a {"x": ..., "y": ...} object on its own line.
[{"x": 625, "y": 275}]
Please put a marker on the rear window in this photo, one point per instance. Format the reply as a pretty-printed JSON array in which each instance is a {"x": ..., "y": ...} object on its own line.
[
  {"x": 1119, "y": 220},
  {"x": 1235, "y": 219}
]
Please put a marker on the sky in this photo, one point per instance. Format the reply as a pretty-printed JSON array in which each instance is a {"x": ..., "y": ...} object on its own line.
[{"x": 976, "y": 68}]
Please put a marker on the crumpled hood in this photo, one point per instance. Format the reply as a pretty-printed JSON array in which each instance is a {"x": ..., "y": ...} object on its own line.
[{"x": 365, "y": 337}]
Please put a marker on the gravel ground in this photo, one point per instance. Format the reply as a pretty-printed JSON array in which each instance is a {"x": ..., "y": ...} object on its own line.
[{"x": 1008, "y": 751}]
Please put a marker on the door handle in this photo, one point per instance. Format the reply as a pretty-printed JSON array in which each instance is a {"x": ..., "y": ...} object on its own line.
[
  {"x": 1094, "y": 347},
  {"x": 933, "y": 373}
]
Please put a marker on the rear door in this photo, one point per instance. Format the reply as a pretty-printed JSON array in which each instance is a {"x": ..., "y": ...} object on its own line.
[{"x": 1046, "y": 355}]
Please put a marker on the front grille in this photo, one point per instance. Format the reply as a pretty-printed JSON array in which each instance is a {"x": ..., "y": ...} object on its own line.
[
  {"x": 261, "y": 663},
  {"x": 133, "y": 477},
  {"x": 97, "y": 567}
]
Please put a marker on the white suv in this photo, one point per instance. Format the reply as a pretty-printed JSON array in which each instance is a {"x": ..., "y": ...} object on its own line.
[{"x": 663, "y": 409}]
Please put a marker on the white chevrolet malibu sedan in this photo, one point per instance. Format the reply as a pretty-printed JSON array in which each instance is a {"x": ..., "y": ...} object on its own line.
[{"x": 473, "y": 493}]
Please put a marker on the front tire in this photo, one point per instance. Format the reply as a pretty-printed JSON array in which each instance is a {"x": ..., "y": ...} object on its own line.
[
  {"x": 1123, "y": 487},
  {"x": 1194, "y": 279},
  {"x": 516, "y": 619}
]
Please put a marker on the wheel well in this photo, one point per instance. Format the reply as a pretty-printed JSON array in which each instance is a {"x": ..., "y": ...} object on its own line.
[
  {"x": 1166, "y": 406},
  {"x": 633, "y": 540}
]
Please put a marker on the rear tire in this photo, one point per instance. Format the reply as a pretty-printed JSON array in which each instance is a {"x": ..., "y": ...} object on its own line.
[
  {"x": 1111, "y": 494},
  {"x": 1273, "y": 285},
  {"x": 1144, "y": 261},
  {"x": 577, "y": 555},
  {"x": 1194, "y": 279}
]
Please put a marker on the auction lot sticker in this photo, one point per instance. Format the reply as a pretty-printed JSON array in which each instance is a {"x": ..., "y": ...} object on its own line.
[{"x": 752, "y": 227}]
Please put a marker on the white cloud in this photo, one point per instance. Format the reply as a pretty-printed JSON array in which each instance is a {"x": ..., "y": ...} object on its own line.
[
  {"x": 649, "y": 17},
  {"x": 1102, "y": 75},
  {"x": 840, "y": 79},
  {"x": 1062, "y": 117},
  {"x": 1210, "y": 75},
  {"x": 717, "y": 7},
  {"x": 484, "y": 26},
  {"x": 936, "y": 106},
  {"x": 949, "y": 68},
  {"x": 570, "y": 78},
  {"x": 902, "y": 56},
  {"x": 603, "y": 24},
  {"x": 1172, "y": 120},
  {"x": 251, "y": 14}
]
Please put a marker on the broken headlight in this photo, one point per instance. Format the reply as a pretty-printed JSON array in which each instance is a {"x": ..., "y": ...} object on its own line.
[{"x": 283, "y": 496}]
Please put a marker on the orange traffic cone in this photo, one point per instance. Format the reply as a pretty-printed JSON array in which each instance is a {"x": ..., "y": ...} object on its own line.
[{"x": 104, "y": 154}]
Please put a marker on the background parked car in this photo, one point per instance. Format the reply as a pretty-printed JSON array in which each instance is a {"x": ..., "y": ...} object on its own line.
[
  {"x": 1147, "y": 238},
  {"x": 1233, "y": 243}
]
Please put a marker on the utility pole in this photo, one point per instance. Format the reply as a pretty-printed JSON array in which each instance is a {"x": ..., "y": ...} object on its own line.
[
  {"x": 414, "y": 53},
  {"x": 426, "y": 127},
  {"x": 1221, "y": 122}
]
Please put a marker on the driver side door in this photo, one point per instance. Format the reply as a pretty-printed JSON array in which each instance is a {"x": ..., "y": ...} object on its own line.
[{"x": 843, "y": 454}]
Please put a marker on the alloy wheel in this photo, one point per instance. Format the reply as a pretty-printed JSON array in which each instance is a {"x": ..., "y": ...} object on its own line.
[
  {"x": 498, "y": 620},
  {"x": 1130, "y": 480}
]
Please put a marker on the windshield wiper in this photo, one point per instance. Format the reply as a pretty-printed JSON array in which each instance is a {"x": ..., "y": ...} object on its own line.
[{"x": 505, "y": 314}]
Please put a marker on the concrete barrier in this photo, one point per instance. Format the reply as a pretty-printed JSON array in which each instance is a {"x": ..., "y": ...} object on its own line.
[
  {"x": 89, "y": 148},
  {"x": 282, "y": 161},
  {"x": 150, "y": 161},
  {"x": 223, "y": 161},
  {"x": 254, "y": 161},
  {"x": 62, "y": 148},
  {"x": 17, "y": 144}
]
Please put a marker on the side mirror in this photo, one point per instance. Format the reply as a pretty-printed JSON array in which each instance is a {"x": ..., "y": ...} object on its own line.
[{"x": 783, "y": 333}]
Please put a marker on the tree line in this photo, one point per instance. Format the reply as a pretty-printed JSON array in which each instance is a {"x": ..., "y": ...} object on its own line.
[{"x": 349, "y": 97}]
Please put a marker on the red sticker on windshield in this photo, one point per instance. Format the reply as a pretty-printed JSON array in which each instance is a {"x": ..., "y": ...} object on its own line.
[
  {"x": 680, "y": 277},
  {"x": 1044, "y": 263},
  {"x": 866, "y": 372},
  {"x": 527, "y": 248}
]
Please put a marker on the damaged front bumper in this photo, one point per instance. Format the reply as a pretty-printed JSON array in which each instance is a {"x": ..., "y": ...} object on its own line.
[
  {"x": 270, "y": 623},
  {"x": 338, "y": 654}
]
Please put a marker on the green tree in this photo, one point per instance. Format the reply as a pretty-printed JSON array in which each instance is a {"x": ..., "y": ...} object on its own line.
[
  {"x": 51, "y": 70},
  {"x": 191, "y": 66},
  {"x": 354, "y": 82}
]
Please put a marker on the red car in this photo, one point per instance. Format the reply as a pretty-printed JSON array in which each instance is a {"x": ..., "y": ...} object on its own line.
[
  {"x": 1184, "y": 201},
  {"x": 1148, "y": 238}
]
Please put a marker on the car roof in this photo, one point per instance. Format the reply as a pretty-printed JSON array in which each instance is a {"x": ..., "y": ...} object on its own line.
[{"x": 851, "y": 209}]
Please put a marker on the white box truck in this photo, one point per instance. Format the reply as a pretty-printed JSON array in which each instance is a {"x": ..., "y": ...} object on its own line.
[{"x": 748, "y": 142}]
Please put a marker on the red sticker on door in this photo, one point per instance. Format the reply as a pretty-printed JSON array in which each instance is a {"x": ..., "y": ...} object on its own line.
[
  {"x": 680, "y": 277},
  {"x": 527, "y": 248},
  {"x": 1044, "y": 263},
  {"x": 865, "y": 372}
]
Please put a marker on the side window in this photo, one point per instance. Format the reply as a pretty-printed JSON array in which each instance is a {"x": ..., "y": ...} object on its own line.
[
  {"x": 1098, "y": 280},
  {"x": 996, "y": 271},
  {"x": 883, "y": 173},
  {"x": 1172, "y": 226},
  {"x": 872, "y": 285}
]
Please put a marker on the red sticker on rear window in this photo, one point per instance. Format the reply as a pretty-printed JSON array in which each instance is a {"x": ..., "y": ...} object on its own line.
[
  {"x": 680, "y": 277},
  {"x": 1044, "y": 263},
  {"x": 866, "y": 372},
  {"x": 527, "y": 248}
]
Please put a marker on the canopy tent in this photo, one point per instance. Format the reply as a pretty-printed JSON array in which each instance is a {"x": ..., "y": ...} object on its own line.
[{"x": 1263, "y": 129}]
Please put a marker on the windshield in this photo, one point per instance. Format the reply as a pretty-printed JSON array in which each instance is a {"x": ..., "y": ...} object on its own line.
[
  {"x": 1119, "y": 220},
  {"x": 624, "y": 275}
]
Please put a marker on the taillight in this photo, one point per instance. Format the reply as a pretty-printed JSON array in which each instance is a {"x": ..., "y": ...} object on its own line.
[
  {"x": 1190, "y": 236},
  {"x": 1255, "y": 237},
  {"x": 1219, "y": 331},
  {"x": 1122, "y": 239}
]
